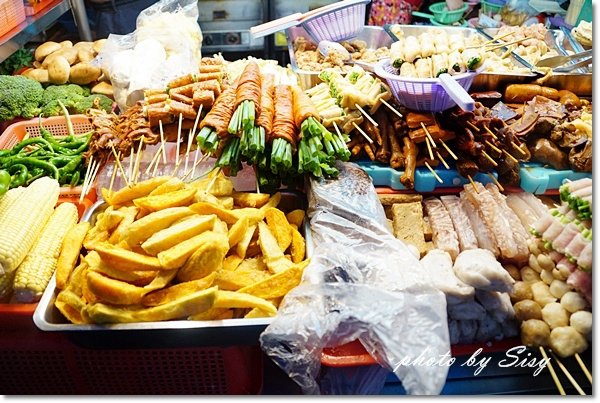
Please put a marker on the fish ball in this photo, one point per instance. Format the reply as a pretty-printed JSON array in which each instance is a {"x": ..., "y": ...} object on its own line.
[
  {"x": 564, "y": 271},
  {"x": 555, "y": 315},
  {"x": 527, "y": 309},
  {"x": 529, "y": 275},
  {"x": 534, "y": 333},
  {"x": 541, "y": 294},
  {"x": 559, "y": 288},
  {"x": 573, "y": 301},
  {"x": 533, "y": 247},
  {"x": 566, "y": 341},
  {"x": 559, "y": 275},
  {"x": 521, "y": 290},
  {"x": 582, "y": 322},
  {"x": 546, "y": 276},
  {"x": 545, "y": 262},
  {"x": 533, "y": 263}
]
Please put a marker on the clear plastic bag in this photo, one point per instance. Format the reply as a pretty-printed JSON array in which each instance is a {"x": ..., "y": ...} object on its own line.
[
  {"x": 362, "y": 283},
  {"x": 165, "y": 45}
]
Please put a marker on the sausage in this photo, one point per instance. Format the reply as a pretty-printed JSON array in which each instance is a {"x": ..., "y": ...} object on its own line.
[
  {"x": 410, "y": 157},
  {"x": 518, "y": 93},
  {"x": 383, "y": 154},
  {"x": 569, "y": 99}
]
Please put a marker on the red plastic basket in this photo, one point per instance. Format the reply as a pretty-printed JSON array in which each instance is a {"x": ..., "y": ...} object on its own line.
[
  {"x": 12, "y": 13},
  {"x": 57, "y": 125}
]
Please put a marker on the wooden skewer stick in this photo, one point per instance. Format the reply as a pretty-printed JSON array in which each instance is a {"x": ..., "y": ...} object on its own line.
[
  {"x": 518, "y": 148},
  {"x": 583, "y": 367},
  {"x": 473, "y": 126},
  {"x": 428, "y": 135},
  {"x": 191, "y": 135},
  {"x": 516, "y": 161},
  {"x": 154, "y": 159},
  {"x": 257, "y": 184},
  {"x": 176, "y": 168},
  {"x": 113, "y": 176},
  {"x": 178, "y": 139},
  {"x": 196, "y": 163},
  {"x": 366, "y": 115},
  {"x": 92, "y": 179},
  {"x": 187, "y": 151},
  {"x": 568, "y": 374},
  {"x": 449, "y": 150},
  {"x": 131, "y": 157},
  {"x": 491, "y": 41},
  {"x": 337, "y": 130},
  {"x": 493, "y": 147},
  {"x": 486, "y": 155},
  {"x": 86, "y": 177},
  {"x": 487, "y": 129},
  {"x": 496, "y": 181},
  {"x": 436, "y": 176},
  {"x": 361, "y": 131},
  {"x": 390, "y": 107},
  {"x": 473, "y": 183},
  {"x": 118, "y": 161},
  {"x": 429, "y": 148},
  {"x": 138, "y": 160},
  {"x": 214, "y": 179},
  {"x": 442, "y": 159},
  {"x": 561, "y": 390},
  {"x": 162, "y": 142},
  {"x": 505, "y": 44}
]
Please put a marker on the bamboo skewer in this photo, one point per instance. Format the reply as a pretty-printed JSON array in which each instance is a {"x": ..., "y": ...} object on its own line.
[
  {"x": 162, "y": 142},
  {"x": 516, "y": 161},
  {"x": 473, "y": 126},
  {"x": 361, "y": 131},
  {"x": 583, "y": 367},
  {"x": 433, "y": 172},
  {"x": 214, "y": 179},
  {"x": 92, "y": 179},
  {"x": 187, "y": 151},
  {"x": 487, "y": 129},
  {"x": 568, "y": 374},
  {"x": 428, "y": 135},
  {"x": 449, "y": 150},
  {"x": 486, "y": 155},
  {"x": 131, "y": 157},
  {"x": 196, "y": 163},
  {"x": 473, "y": 183},
  {"x": 518, "y": 148},
  {"x": 154, "y": 159},
  {"x": 491, "y": 41},
  {"x": 366, "y": 115},
  {"x": 86, "y": 177},
  {"x": 113, "y": 176},
  {"x": 429, "y": 148},
  {"x": 138, "y": 160},
  {"x": 496, "y": 181},
  {"x": 178, "y": 139},
  {"x": 118, "y": 161},
  {"x": 337, "y": 130},
  {"x": 561, "y": 390},
  {"x": 493, "y": 147},
  {"x": 505, "y": 44},
  {"x": 390, "y": 107},
  {"x": 442, "y": 159}
]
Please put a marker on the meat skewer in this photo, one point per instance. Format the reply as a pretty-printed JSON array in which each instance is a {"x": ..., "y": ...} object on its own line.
[
  {"x": 284, "y": 130},
  {"x": 410, "y": 158}
]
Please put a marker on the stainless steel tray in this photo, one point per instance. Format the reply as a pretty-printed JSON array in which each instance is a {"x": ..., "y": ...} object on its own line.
[
  {"x": 214, "y": 332},
  {"x": 375, "y": 37}
]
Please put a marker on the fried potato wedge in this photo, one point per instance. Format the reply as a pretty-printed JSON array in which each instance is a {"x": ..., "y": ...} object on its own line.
[
  {"x": 171, "y": 185},
  {"x": 178, "y": 198},
  {"x": 138, "y": 278},
  {"x": 237, "y": 231},
  {"x": 242, "y": 246},
  {"x": 203, "y": 196},
  {"x": 130, "y": 213},
  {"x": 163, "y": 296},
  {"x": 135, "y": 191},
  {"x": 231, "y": 299},
  {"x": 298, "y": 246},
  {"x": 272, "y": 253},
  {"x": 232, "y": 262},
  {"x": 296, "y": 217},
  {"x": 145, "y": 227},
  {"x": 187, "y": 305},
  {"x": 226, "y": 202},
  {"x": 77, "y": 278},
  {"x": 128, "y": 260},
  {"x": 257, "y": 313},
  {"x": 255, "y": 200},
  {"x": 177, "y": 233},
  {"x": 70, "y": 305},
  {"x": 278, "y": 284},
  {"x": 204, "y": 208},
  {"x": 207, "y": 255},
  {"x": 220, "y": 227},
  {"x": 273, "y": 202},
  {"x": 211, "y": 314},
  {"x": 69, "y": 253},
  {"x": 221, "y": 186},
  {"x": 113, "y": 291},
  {"x": 234, "y": 280},
  {"x": 279, "y": 226}
]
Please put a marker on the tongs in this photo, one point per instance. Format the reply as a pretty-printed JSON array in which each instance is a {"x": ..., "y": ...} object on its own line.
[{"x": 558, "y": 61}]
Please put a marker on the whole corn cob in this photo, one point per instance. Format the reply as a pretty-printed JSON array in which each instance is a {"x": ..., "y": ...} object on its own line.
[
  {"x": 33, "y": 275},
  {"x": 9, "y": 198},
  {"x": 23, "y": 221},
  {"x": 6, "y": 286}
]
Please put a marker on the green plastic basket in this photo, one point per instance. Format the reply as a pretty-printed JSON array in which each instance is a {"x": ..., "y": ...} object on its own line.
[
  {"x": 490, "y": 8},
  {"x": 441, "y": 14}
]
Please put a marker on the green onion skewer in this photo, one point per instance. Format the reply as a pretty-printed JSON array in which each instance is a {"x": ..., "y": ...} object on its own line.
[
  {"x": 208, "y": 140},
  {"x": 230, "y": 157}
]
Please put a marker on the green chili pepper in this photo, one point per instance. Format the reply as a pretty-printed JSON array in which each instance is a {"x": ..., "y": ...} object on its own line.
[
  {"x": 34, "y": 177},
  {"x": 72, "y": 165},
  {"x": 62, "y": 160},
  {"x": 50, "y": 169},
  {"x": 75, "y": 179},
  {"x": 5, "y": 181},
  {"x": 30, "y": 141},
  {"x": 46, "y": 135},
  {"x": 19, "y": 173},
  {"x": 36, "y": 172}
]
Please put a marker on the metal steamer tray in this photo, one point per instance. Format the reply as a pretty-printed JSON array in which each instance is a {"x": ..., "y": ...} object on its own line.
[{"x": 175, "y": 333}]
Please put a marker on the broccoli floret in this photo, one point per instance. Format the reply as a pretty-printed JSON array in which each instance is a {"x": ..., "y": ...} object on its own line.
[
  {"x": 95, "y": 101},
  {"x": 19, "y": 96},
  {"x": 52, "y": 108},
  {"x": 69, "y": 94}
]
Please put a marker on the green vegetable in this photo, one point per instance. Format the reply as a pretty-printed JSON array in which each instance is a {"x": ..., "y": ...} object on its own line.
[
  {"x": 19, "y": 173},
  {"x": 5, "y": 181},
  {"x": 230, "y": 157},
  {"x": 474, "y": 62},
  {"x": 20, "y": 97},
  {"x": 30, "y": 163},
  {"x": 21, "y": 58},
  {"x": 94, "y": 101}
]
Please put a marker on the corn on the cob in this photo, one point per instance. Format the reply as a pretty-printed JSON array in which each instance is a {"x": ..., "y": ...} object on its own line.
[
  {"x": 6, "y": 285},
  {"x": 22, "y": 223},
  {"x": 33, "y": 275},
  {"x": 9, "y": 199}
]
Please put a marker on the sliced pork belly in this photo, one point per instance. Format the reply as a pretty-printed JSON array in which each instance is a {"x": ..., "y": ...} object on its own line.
[
  {"x": 444, "y": 235},
  {"x": 438, "y": 265},
  {"x": 480, "y": 269},
  {"x": 526, "y": 214},
  {"x": 576, "y": 246},
  {"x": 484, "y": 236},
  {"x": 585, "y": 258},
  {"x": 569, "y": 232},
  {"x": 582, "y": 282},
  {"x": 462, "y": 226}
]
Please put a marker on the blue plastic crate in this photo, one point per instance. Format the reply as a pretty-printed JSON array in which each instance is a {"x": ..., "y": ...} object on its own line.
[{"x": 538, "y": 179}]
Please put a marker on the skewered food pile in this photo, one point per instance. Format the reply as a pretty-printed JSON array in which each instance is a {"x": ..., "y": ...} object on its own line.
[{"x": 166, "y": 250}]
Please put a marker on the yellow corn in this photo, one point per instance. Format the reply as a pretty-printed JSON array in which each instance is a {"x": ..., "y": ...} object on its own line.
[
  {"x": 33, "y": 275},
  {"x": 9, "y": 198},
  {"x": 22, "y": 223},
  {"x": 6, "y": 286}
]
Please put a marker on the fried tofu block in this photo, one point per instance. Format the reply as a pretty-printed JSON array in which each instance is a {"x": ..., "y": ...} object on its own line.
[
  {"x": 165, "y": 295},
  {"x": 230, "y": 299},
  {"x": 177, "y": 233},
  {"x": 279, "y": 226},
  {"x": 427, "y": 231},
  {"x": 296, "y": 217},
  {"x": 298, "y": 246},
  {"x": 208, "y": 251},
  {"x": 408, "y": 224},
  {"x": 278, "y": 284},
  {"x": 244, "y": 199},
  {"x": 145, "y": 227},
  {"x": 271, "y": 251},
  {"x": 69, "y": 253},
  {"x": 140, "y": 189},
  {"x": 178, "y": 198}
]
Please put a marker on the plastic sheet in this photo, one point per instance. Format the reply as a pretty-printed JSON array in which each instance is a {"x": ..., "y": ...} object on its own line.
[{"x": 362, "y": 283}]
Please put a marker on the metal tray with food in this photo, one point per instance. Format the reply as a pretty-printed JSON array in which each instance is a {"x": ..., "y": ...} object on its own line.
[
  {"x": 507, "y": 68},
  {"x": 367, "y": 48},
  {"x": 545, "y": 43},
  {"x": 174, "y": 333}
]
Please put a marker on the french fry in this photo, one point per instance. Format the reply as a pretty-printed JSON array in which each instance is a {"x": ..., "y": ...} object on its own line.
[
  {"x": 278, "y": 284},
  {"x": 234, "y": 280},
  {"x": 207, "y": 256},
  {"x": 253, "y": 215},
  {"x": 137, "y": 190},
  {"x": 145, "y": 227},
  {"x": 165, "y": 295},
  {"x": 182, "y": 307},
  {"x": 130, "y": 214},
  {"x": 237, "y": 231},
  {"x": 298, "y": 246},
  {"x": 228, "y": 314},
  {"x": 70, "y": 305},
  {"x": 231, "y": 299},
  {"x": 257, "y": 313},
  {"x": 138, "y": 278},
  {"x": 222, "y": 186},
  {"x": 69, "y": 253},
  {"x": 203, "y": 196},
  {"x": 210, "y": 314},
  {"x": 279, "y": 226},
  {"x": 171, "y": 185},
  {"x": 272, "y": 253},
  {"x": 296, "y": 217},
  {"x": 113, "y": 291},
  {"x": 128, "y": 260},
  {"x": 242, "y": 247},
  {"x": 178, "y": 198},
  {"x": 232, "y": 262},
  {"x": 273, "y": 202},
  {"x": 244, "y": 199},
  {"x": 220, "y": 227},
  {"x": 77, "y": 278},
  {"x": 177, "y": 233},
  {"x": 226, "y": 202},
  {"x": 204, "y": 208}
]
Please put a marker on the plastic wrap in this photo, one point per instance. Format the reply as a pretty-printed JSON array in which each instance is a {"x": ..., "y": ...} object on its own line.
[
  {"x": 362, "y": 283},
  {"x": 165, "y": 45}
]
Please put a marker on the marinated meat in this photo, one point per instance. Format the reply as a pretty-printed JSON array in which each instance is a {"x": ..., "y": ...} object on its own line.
[
  {"x": 462, "y": 226},
  {"x": 444, "y": 235},
  {"x": 547, "y": 152}
]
